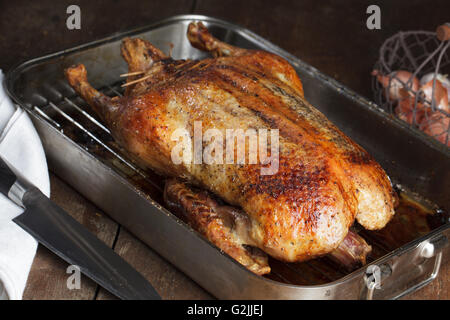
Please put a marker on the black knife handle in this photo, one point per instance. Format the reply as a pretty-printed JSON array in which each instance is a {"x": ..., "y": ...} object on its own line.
[
  {"x": 58, "y": 231},
  {"x": 7, "y": 177}
]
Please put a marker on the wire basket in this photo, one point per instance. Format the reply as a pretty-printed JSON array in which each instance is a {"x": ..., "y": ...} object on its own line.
[{"x": 410, "y": 80}]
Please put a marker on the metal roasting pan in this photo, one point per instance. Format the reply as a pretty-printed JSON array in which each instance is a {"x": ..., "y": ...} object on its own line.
[{"x": 80, "y": 150}]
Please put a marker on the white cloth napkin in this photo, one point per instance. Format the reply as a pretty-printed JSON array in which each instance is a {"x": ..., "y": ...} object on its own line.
[{"x": 20, "y": 146}]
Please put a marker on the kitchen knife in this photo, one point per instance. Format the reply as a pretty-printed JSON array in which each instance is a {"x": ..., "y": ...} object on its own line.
[{"x": 58, "y": 231}]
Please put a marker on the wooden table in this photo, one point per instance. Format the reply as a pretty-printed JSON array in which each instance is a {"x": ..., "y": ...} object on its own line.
[{"x": 330, "y": 36}]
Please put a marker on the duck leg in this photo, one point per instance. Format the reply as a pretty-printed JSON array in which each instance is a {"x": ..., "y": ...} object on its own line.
[
  {"x": 201, "y": 39},
  {"x": 226, "y": 227},
  {"x": 103, "y": 105},
  {"x": 260, "y": 61},
  {"x": 140, "y": 55}
]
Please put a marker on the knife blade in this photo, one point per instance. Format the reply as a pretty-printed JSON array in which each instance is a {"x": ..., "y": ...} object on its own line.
[{"x": 55, "y": 229}]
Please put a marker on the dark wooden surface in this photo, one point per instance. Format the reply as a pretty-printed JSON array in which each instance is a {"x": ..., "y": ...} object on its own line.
[{"x": 330, "y": 35}]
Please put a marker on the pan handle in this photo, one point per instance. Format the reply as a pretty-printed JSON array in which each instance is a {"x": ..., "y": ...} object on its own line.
[{"x": 408, "y": 272}]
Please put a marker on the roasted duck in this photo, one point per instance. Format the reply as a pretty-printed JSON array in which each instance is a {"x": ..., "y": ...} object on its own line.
[{"x": 323, "y": 181}]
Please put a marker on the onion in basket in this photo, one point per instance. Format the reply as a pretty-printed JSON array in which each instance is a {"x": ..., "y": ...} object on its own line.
[
  {"x": 440, "y": 93},
  {"x": 437, "y": 126},
  {"x": 398, "y": 85},
  {"x": 405, "y": 111},
  {"x": 442, "y": 78}
]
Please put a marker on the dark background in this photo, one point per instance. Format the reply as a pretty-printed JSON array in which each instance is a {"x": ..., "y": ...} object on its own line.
[{"x": 330, "y": 35}]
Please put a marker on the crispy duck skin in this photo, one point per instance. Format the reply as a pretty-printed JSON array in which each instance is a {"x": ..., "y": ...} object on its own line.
[{"x": 324, "y": 180}]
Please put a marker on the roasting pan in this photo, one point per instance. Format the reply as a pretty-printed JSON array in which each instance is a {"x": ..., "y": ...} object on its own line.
[{"x": 80, "y": 150}]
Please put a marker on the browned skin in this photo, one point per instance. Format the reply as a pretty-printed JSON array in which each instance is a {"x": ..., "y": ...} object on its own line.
[
  {"x": 324, "y": 180},
  {"x": 225, "y": 226},
  {"x": 228, "y": 228}
]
